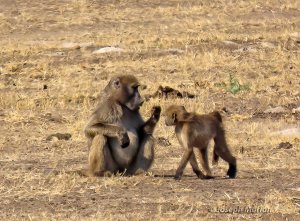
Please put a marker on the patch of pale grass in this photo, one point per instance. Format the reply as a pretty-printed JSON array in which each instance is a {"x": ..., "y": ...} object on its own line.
[{"x": 279, "y": 202}]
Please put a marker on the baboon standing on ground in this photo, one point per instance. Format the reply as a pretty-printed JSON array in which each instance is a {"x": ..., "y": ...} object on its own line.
[
  {"x": 118, "y": 138},
  {"x": 194, "y": 130}
]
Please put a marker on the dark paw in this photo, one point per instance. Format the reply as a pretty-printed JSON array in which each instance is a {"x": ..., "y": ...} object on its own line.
[
  {"x": 199, "y": 174},
  {"x": 124, "y": 141},
  {"x": 208, "y": 177},
  {"x": 231, "y": 171},
  {"x": 177, "y": 177},
  {"x": 155, "y": 112}
]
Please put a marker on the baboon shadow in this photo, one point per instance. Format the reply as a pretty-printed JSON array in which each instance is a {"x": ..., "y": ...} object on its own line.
[{"x": 189, "y": 176}]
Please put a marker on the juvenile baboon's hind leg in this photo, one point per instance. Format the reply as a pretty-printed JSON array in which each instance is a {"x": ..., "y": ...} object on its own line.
[
  {"x": 195, "y": 167},
  {"x": 204, "y": 162},
  {"x": 222, "y": 150}
]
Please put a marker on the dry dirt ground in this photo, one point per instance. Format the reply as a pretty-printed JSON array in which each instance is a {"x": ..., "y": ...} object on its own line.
[{"x": 50, "y": 79}]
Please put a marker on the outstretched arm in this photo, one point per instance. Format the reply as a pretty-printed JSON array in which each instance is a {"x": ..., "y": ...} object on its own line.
[{"x": 150, "y": 124}]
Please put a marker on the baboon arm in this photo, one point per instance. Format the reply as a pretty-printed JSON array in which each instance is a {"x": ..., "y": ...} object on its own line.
[
  {"x": 105, "y": 129},
  {"x": 149, "y": 126}
]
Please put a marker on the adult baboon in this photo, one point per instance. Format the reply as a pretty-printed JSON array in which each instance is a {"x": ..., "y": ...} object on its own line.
[
  {"x": 118, "y": 138},
  {"x": 194, "y": 130}
]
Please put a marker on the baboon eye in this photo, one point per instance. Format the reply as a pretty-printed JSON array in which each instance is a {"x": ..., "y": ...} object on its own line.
[{"x": 117, "y": 83}]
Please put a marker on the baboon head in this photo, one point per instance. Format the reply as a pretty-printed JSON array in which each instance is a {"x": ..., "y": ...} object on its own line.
[
  {"x": 124, "y": 90},
  {"x": 175, "y": 114}
]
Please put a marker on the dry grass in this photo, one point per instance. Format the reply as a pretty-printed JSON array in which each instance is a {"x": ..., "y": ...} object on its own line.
[{"x": 49, "y": 80}]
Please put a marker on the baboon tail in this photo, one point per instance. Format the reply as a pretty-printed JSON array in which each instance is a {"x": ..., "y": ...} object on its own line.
[{"x": 217, "y": 115}]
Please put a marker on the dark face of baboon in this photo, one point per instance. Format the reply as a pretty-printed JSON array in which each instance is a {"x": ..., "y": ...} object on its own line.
[
  {"x": 124, "y": 90},
  {"x": 171, "y": 120}
]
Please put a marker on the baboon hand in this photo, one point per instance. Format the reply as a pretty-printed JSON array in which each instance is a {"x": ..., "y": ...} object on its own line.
[
  {"x": 155, "y": 113},
  {"x": 124, "y": 139}
]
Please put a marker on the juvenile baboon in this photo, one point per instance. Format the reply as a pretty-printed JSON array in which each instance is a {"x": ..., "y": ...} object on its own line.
[
  {"x": 118, "y": 138},
  {"x": 194, "y": 130}
]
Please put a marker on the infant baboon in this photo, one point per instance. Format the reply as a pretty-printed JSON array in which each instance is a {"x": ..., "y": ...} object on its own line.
[{"x": 194, "y": 130}]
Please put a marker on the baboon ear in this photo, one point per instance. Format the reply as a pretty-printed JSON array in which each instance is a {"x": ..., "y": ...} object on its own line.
[
  {"x": 116, "y": 83},
  {"x": 183, "y": 115},
  {"x": 173, "y": 118},
  {"x": 182, "y": 108}
]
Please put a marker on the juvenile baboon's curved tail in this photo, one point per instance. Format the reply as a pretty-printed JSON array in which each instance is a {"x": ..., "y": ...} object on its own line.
[
  {"x": 221, "y": 149},
  {"x": 218, "y": 116}
]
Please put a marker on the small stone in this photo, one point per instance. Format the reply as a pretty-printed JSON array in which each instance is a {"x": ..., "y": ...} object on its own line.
[
  {"x": 173, "y": 51},
  {"x": 287, "y": 132},
  {"x": 278, "y": 109},
  {"x": 246, "y": 49},
  {"x": 59, "y": 136},
  {"x": 268, "y": 45},
  {"x": 296, "y": 110},
  {"x": 58, "y": 53},
  {"x": 70, "y": 45},
  {"x": 231, "y": 43},
  {"x": 295, "y": 34},
  {"x": 55, "y": 117},
  {"x": 109, "y": 49}
]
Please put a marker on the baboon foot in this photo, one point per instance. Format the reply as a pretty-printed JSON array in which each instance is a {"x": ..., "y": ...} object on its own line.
[
  {"x": 177, "y": 177},
  {"x": 231, "y": 171}
]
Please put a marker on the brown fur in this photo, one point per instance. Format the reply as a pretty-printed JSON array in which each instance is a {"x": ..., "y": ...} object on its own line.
[
  {"x": 194, "y": 130},
  {"x": 118, "y": 138}
]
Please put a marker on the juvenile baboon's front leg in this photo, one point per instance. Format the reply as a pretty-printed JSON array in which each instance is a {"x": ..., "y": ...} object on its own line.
[
  {"x": 183, "y": 162},
  {"x": 195, "y": 166},
  {"x": 204, "y": 162}
]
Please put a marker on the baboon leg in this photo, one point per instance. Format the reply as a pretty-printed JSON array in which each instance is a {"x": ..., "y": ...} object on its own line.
[
  {"x": 195, "y": 166},
  {"x": 100, "y": 158},
  {"x": 215, "y": 159},
  {"x": 183, "y": 162},
  {"x": 204, "y": 162},
  {"x": 223, "y": 151},
  {"x": 144, "y": 158}
]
